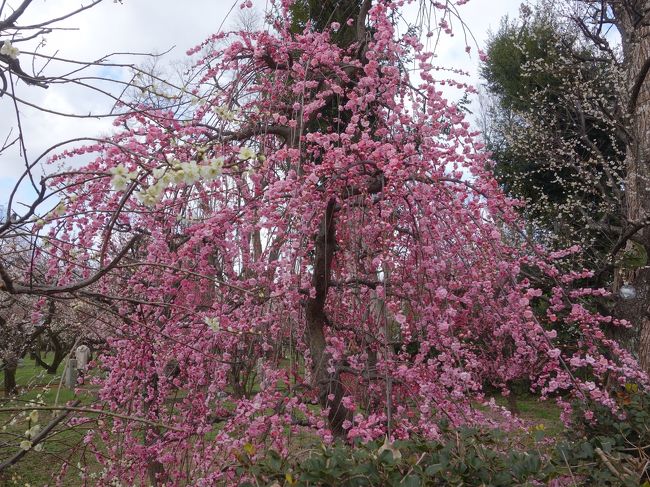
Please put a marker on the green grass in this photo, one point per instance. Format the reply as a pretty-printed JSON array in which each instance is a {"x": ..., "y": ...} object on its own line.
[
  {"x": 62, "y": 445},
  {"x": 532, "y": 410}
]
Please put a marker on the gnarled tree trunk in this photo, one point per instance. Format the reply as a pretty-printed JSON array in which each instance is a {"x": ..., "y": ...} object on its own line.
[
  {"x": 60, "y": 352},
  {"x": 330, "y": 389},
  {"x": 10, "y": 377},
  {"x": 632, "y": 19}
]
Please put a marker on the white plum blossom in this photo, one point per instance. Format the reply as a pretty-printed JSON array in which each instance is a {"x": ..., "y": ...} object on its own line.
[
  {"x": 150, "y": 196},
  {"x": 159, "y": 172},
  {"x": 59, "y": 210},
  {"x": 180, "y": 172},
  {"x": 25, "y": 445},
  {"x": 146, "y": 199},
  {"x": 178, "y": 175},
  {"x": 33, "y": 431},
  {"x": 191, "y": 173},
  {"x": 9, "y": 50},
  {"x": 246, "y": 153},
  {"x": 119, "y": 183},
  {"x": 119, "y": 170},
  {"x": 213, "y": 323},
  {"x": 224, "y": 113},
  {"x": 167, "y": 178},
  {"x": 121, "y": 177},
  {"x": 213, "y": 169}
]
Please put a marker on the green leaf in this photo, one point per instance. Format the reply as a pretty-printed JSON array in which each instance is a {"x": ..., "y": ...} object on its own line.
[
  {"x": 539, "y": 435},
  {"x": 274, "y": 460},
  {"x": 634, "y": 257},
  {"x": 586, "y": 450},
  {"x": 432, "y": 470},
  {"x": 411, "y": 481}
]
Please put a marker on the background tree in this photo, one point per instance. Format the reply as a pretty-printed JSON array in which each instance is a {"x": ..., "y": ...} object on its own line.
[
  {"x": 552, "y": 133},
  {"x": 19, "y": 332},
  {"x": 631, "y": 18},
  {"x": 570, "y": 120}
]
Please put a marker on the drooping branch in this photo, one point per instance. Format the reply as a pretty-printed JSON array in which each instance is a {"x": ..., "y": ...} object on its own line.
[
  {"x": 41, "y": 436},
  {"x": 14, "y": 288}
]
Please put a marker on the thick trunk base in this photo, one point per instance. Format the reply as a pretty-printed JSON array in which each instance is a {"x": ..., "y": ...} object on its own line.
[{"x": 10, "y": 381}]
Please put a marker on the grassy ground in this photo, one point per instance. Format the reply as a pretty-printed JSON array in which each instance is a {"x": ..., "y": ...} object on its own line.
[
  {"x": 543, "y": 414},
  {"x": 65, "y": 446},
  {"x": 61, "y": 447}
]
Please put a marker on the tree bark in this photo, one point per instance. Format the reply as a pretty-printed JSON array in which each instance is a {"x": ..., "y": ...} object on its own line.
[
  {"x": 10, "y": 378},
  {"x": 632, "y": 17},
  {"x": 329, "y": 386},
  {"x": 59, "y": 355},
  {"x": 513, "y": 407},
  {"x": 328, "y": 382}
]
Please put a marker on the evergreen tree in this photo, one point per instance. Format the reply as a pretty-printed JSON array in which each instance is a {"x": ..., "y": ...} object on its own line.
[{"x": 553, "y": 140}]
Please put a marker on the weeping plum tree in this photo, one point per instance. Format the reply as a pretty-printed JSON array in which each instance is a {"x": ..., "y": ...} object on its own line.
[{"x": 317, "y": 249}]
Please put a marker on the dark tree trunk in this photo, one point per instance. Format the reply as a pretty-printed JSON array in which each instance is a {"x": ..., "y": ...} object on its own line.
[
  {"x": 10, "y": 379},
  {"x": 59, "y": 356},
  {"x": 327, "y": 383},
  {"x": 512, "y": 403},
  {"x": 155, "y": 469},
  {"x": 632, "y": 19},
  {"x": 60, "y": 353}
]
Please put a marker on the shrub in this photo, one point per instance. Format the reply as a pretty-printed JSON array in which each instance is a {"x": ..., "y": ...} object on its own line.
[
  {"x": 602, "y": 448},
  {"x": 608, "y": 448},
  {"x": 466, "y": 456}
]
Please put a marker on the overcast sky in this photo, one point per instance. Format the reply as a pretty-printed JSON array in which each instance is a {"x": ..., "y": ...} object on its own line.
[{"x": 155, "y": 26}]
